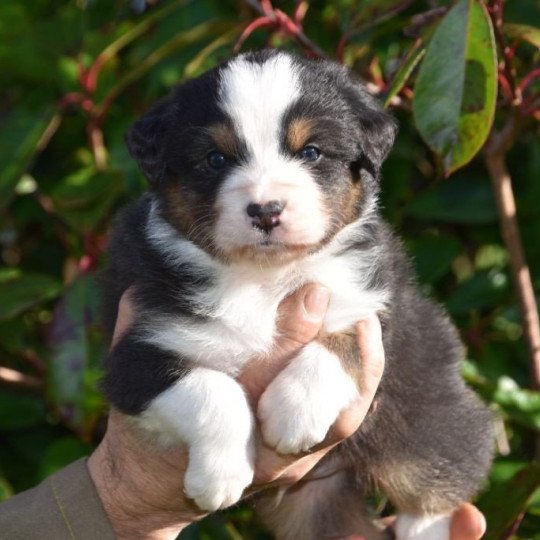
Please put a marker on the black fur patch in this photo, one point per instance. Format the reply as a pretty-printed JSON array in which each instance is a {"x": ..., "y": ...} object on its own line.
[{"x": 427, "y": 441}]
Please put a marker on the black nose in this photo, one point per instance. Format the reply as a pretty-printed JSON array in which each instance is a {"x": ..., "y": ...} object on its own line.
[{"x": 265, "y": 216}]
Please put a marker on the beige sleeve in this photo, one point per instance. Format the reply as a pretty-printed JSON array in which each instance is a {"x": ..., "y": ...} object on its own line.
[{"x": 64, "y": 506}]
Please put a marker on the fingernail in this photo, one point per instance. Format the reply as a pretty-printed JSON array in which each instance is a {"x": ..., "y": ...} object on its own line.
[
  {"x": 482, "y": 523},
  {"x": 316, "y": 301}
]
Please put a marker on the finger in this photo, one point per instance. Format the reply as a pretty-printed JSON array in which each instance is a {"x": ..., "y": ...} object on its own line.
[
  {"x": 468, "y": 523},
  {"x": 278, "y": 469},
  {"x": 124, "y": 319},
  {"x": 371, "y": 353},
  {"x": 288, "y": 469},
  {"x": 299, "y": 321},
  {"x": 300, "y": 317}
]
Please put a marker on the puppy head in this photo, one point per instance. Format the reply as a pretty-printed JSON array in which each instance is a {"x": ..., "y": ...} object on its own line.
[{"x": 266, "y": 157}]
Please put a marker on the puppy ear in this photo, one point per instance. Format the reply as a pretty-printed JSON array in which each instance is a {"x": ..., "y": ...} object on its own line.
[
  {"x": 145, "y": 143},
  {"x": 377, "y": 128}
]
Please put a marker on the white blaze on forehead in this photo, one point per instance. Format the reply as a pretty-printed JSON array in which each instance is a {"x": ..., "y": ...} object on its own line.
[{"x": 256, "y": 96}]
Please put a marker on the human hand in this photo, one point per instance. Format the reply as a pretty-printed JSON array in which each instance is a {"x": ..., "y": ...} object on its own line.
[
  {"x": 141, "y": 484},
  {"x": 468, "y": 523},
  {"x": 299, "y": 323}
]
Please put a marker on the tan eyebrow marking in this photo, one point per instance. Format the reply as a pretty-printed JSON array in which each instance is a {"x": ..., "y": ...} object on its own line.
[
  {"x": 299, "y": 132},
  {"x": 225, "y": 139}
]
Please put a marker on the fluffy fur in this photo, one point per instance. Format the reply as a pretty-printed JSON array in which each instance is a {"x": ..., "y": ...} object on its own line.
[{"x": 264, "y": 175}]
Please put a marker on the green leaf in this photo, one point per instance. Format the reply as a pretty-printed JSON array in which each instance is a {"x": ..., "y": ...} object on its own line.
[
  {"x": 491, "y": 256},
  {"x": 371, "y": 12},
  {"x": 22, "y": 450},
  {"x": 6, "y": 491},
  {"x": 9, "y": 274},
  {"x": 20, "y": 135},
  {"x": 61, "y": 452},
  {"x": 182, "y": 40},
  {"x": 200, "y": 63},
  {"x": 213, "y": 527},
  {"x": 456, "y": 89},
  {"x": 415, "y": 54},
  {"x": 505, "y": 503},
  {"x": 520, "y": 404},
  {"x": 20, "y": 411},
  {"x": 433, "y": 256},
  {"x": 20, "y": 292},
  {"x": 139, "y": 29},
  {"x": 459, "y": 200},
  {"x": 77, "y": 353},
  {"x": 482, "y": 290},
  {"x": 504, "y": 469},
  {"x": 523, "y": 32},
  {"x": 82, "y": 199}
]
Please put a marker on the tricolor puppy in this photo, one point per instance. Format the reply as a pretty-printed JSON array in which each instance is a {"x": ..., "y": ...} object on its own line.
[{"x": 264, "y": 175}]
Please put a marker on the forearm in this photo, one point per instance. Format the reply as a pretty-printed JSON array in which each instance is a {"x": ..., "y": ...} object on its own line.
[{"x": 138, "y": 503}]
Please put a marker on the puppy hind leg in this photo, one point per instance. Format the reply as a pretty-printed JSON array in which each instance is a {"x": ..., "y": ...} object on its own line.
[
  {"x": 325, "y": 508},
  {"x": 427, "y": 488}
]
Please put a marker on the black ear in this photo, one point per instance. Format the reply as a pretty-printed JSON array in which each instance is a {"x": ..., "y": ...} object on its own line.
[
  {"x": 378, "y": 131},
  {"x": 377, "y": 128},
  {"x": 145, "y": 143}
]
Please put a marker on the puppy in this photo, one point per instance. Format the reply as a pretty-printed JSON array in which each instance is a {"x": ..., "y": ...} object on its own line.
[{"x": 264, "y": 175}]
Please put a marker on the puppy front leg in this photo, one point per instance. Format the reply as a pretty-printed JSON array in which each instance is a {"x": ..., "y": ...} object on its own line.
[
  {"x": 304, "y": 400},
  {"x": 208, "y": 411}
]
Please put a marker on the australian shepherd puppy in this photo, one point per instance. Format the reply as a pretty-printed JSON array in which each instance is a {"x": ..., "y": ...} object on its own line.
[{"x": 264, "y": 175}]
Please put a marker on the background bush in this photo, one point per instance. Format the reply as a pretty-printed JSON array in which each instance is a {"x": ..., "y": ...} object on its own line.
[{"x": 75, "y": 74}]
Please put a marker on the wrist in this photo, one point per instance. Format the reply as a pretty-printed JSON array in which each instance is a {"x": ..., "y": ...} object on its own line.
[{"x": 140, "y": 487}]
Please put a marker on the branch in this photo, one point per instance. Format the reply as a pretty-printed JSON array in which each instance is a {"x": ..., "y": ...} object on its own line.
[
  {"x": 16, "y": 379},
  {"x": 495, "y": 8},
  {"x": 528, "y": 79},
  {"x": 495, "y": 158},
  {"x": 299, "y": 35}
]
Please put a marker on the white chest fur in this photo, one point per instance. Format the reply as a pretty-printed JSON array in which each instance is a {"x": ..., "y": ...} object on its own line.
[{"x": 241, "y": 305}]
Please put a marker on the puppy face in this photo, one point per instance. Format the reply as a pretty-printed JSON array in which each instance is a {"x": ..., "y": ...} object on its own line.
[{"x": 264, "y": 158}]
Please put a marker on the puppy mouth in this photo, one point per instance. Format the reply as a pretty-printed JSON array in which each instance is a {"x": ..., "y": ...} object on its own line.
[
  {"x": 266, "y": 242},
  {"x": 277, "y": 245},
  {"x": 269, "y": 246},
  {"x": 272, "y": 251}
]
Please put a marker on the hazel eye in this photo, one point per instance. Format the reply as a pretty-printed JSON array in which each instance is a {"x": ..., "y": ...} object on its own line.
[
  {"x": 309, "y": 153},
  {"x": 216, "y": 160}
]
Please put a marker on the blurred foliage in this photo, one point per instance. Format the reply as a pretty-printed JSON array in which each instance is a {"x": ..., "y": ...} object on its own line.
[{"x": 75, "y": 74}]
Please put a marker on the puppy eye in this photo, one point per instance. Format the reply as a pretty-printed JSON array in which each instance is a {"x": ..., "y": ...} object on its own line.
[
  {"x": 309, "y": 153},
  {"x": 216, "y": 160}
]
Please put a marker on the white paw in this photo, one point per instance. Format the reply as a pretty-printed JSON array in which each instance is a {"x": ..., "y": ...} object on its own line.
[
  {"x": 217, "y": 479},
  {"x": 301, "y": 404},
  {"x": 208, "y": 412},
  {"x": 422, "y": 527}
]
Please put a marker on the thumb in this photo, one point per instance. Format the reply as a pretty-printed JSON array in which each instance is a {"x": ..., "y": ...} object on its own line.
[{"x": 300, "y": 318}]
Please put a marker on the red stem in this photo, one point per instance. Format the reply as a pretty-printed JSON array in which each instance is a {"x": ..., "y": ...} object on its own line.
[
  {"x": 505, "y": 87},
  {"x": 250, "y": 28},
  {"x": 300, "y": 12},
  {"x": 285, "y": 23},
  {"x": 495, "y": 9},
  {"x": 528, "y": 79},
  {"x": 75, "y": 98}
]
